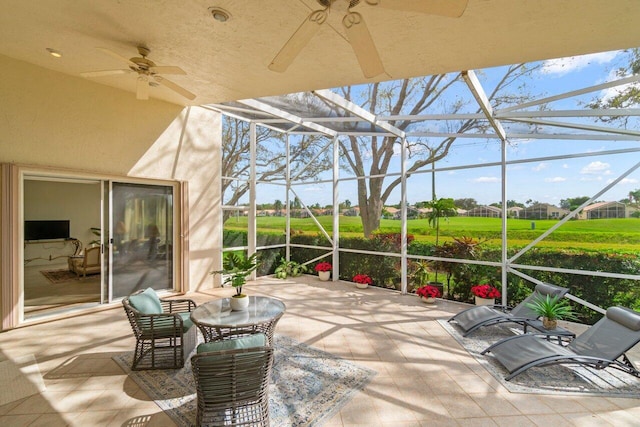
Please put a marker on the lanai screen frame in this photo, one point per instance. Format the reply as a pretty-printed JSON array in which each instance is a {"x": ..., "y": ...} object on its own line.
[{"x": 273, "y": 113}]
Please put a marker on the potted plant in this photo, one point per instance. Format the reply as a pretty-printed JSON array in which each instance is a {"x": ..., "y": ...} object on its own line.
[
  {"x": 237, "y": 268},
  {"x": 485, "y": 294},
  {"x": 551, "y": 309},
  {"x": 362, "y": 281},
  {"x": 289, "y": 268},
  {"x": 324, "y": 270},
  {"x": 428, "y": 293}
]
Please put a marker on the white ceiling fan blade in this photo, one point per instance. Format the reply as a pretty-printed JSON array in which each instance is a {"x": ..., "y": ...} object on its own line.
[
  {"x": 104, "y": 73},
  {"x": 142, "y": 89},
  {"x": 174, "y": 87},
  {"x": 298, "y": 41},
  {"x": 450, "y": 8},
  {"x": 167, "y": 69},
  {"x": 362, "y": 44},
  {"x": 117, "y": 56}
]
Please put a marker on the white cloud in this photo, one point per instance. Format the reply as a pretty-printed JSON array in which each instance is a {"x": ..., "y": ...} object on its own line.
[
  {"x": 596, "y": 168},
  {"x": 625, "y": 181},
  {"x": 590, "y": 179},
  {"x": 540, "y": 167},
  {"x": 561, "y": 66},
  {"x": 565, "y": 166},
  {"x": 555, "y": 179},
  {"x": 486, "y": 179}
]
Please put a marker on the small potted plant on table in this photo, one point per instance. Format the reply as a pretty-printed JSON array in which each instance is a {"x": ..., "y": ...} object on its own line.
[
  {"x": 237, "y": 269},
  {"x": 324, "y": 271},
  {"x": 485, "y": 294},
  {"x": 552, "y": 309},
  {"x": 362, "y": 281}
]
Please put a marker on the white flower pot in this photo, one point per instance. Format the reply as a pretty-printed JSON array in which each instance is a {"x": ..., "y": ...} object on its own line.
[
  {"x": 324, "y": 275},
  {"x": 485, "y": 301},
  {"x": 239, "y": 303},
  {"x": 362, "y": 285},
  {"x": 428, "y": 300}
]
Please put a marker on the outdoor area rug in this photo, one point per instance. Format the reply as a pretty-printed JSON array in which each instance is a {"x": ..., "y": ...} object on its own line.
[
  {"x": 308, "y": 386},
  {"x": 59, "y": 276},
  {"x": 555, "y": 379}
]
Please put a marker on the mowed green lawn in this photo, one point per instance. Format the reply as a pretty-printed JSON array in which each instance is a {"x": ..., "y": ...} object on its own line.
[{"x": 616, "y": 235}]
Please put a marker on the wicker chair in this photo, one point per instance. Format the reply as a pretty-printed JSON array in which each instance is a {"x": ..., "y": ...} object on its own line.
[
  {"x": 232, "y": 384},
  {"x": 164, "y": 338}
]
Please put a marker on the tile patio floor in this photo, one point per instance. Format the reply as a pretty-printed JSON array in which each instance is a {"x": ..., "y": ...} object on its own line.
[{"x": 424, "y": 377}]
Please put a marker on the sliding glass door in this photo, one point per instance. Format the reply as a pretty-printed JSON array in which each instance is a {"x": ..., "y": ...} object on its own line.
[{"x": 141, "y": 236}]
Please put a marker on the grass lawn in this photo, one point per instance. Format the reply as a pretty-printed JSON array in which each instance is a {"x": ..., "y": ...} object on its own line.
[{"x": 616, "y": 235}]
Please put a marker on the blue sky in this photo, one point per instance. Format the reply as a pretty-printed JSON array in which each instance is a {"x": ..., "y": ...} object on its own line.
[{"x": 544, "y": 181}]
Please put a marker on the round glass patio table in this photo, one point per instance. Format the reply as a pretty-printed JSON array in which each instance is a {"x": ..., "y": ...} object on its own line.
[{"x": 217, "y": 321}]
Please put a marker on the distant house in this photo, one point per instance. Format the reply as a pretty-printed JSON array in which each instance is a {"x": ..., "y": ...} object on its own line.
[
  {"x": 543, "y": 211},
  {"x": 354, "y": 211},
  {"x": 514, "y": 211},
  {"x": 607, "y": 210},
  {"x": 485, "y": 211}
]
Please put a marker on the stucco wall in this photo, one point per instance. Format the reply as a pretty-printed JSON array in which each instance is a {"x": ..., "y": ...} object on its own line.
[{"x": 63, "y": 122}]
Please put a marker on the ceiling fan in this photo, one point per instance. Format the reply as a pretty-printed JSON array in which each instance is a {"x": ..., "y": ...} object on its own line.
[
  {"x": 148, "y": 73},
  {"x": 356, "y": 29}
]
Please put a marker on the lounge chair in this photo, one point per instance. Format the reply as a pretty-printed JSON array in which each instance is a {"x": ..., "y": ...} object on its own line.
[
  {"x": 484, "y": 315},
  {"x": 602, "y": 345}
]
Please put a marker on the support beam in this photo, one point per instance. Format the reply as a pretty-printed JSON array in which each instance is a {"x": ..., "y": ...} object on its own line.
[
  {"x": 285, "y": 115},
  {"x": 477, "y": 91},
  {"x": 356, "y": 110}
]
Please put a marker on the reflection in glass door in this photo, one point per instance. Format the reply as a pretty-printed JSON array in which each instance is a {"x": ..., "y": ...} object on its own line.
[{"x": 142, "y": 232}]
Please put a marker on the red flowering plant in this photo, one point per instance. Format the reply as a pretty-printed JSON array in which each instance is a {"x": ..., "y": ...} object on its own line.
[
  {"x": 362, "y": 278},
  {"x": 428, "y": 291},
  {"x": 485, "y": 291},
  {"x": 323, "y": 266}
]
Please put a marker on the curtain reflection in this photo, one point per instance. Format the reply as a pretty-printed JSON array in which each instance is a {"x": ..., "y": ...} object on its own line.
[{"x": 143, "y": 238}]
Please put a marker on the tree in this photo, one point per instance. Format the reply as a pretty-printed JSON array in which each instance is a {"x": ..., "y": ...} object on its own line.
[
  {"x": 634, "y": 196},
  {"x": 628, "y": 96},
  {"x": 466, "y": 203},
  {"x": 271, "y": 158},
  {"x": 410, "y": 96},
  {"x": 573, "y": 202},
  {"x": 277, "y": 206},
  {"x": 440, "y": 208}
]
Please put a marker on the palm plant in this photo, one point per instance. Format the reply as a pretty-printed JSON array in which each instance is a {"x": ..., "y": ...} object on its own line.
[
  {"x": 238, "y": 268},
  {"x": 552, "y": 308}
]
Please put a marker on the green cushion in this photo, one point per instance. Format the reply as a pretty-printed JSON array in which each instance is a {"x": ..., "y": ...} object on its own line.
[
  {"x": 186, "y": 321},
  {"x": 250, "y": 341},
  {"x": 146, "y": 302}
]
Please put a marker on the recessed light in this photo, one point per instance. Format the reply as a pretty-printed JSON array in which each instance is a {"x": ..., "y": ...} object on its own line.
[
  {"x": 219, "y": 14},
  {"x": 54, "y": 53}
]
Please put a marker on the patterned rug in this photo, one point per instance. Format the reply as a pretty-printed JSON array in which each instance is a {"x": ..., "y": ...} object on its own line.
[
  {"x": 59, "y": 276},
  {"x": 308, "y": 386},
  {"x": 555, "y": 379}
]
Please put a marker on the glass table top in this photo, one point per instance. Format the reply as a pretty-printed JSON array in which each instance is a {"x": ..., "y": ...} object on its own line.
[{"x": 218, "y": 312}]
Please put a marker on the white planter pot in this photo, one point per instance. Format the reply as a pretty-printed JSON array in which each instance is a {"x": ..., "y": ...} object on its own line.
[
  {"x": 324, "y": 275},
  {"x": 362, "y": 285},
  {"x": 428, "y": 300},
  {"x": 485, "y": 301},
  {"x": 239, "y": 303}
]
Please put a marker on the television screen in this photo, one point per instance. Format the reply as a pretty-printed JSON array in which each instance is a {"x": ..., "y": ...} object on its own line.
[{"x": 46, "y": 230}]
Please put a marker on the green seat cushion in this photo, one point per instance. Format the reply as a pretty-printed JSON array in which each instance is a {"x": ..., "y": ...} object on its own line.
[
  {"x": 186, "y": 321},
  {"x": 250, "y": 341},
  {"x": 146, "y": 302}
]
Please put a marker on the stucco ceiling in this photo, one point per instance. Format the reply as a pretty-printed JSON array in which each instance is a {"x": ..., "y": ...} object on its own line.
[{"x": 228, "y": 61}]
